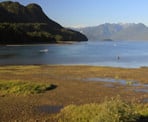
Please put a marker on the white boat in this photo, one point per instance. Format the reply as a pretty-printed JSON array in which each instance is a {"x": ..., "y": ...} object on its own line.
[{"x": 43, "y": 51}]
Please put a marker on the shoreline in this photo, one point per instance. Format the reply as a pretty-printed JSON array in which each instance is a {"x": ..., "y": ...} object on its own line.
[
  {"x": 75, "y": 65},
  {"x": 44, "y": 44}
]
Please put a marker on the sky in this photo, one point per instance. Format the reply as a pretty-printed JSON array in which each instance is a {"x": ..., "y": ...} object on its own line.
[{"x": 81, "y": 13}]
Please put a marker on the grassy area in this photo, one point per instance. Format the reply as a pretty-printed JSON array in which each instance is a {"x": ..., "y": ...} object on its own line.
[
  {"x": 114, "y": 110},
  {"x": 82, "y": 98},
  {"x": 19, "y": 87}
]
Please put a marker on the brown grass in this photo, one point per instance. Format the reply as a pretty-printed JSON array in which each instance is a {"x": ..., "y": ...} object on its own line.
[{"x": 71, "y": 88}]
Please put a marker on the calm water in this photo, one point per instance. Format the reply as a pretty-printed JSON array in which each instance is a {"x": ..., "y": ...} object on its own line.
[{"x": 131, "y": 53}]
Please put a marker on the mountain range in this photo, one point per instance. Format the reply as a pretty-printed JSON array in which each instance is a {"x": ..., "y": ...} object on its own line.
[
  {"x": 120, "y": 31},
  {"x": 21, "y": 24}
]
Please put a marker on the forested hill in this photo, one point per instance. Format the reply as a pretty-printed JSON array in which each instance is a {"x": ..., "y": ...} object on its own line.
[{"x": 28, "y": 24}]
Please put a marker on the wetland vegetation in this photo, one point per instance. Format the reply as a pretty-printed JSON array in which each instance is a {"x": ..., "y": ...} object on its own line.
[
  {"x": 19, "y": 87},
  {"x": 72, "y": 94}
]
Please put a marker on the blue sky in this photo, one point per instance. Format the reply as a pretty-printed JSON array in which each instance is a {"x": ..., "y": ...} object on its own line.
[{"x": 93, "y": 12}]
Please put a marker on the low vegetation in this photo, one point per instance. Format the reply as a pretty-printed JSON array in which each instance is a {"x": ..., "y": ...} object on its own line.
[
  {"x": 18, "y": 87},
  {"x": 114, "y": 110},
  {"x": 85, "y": 100}
]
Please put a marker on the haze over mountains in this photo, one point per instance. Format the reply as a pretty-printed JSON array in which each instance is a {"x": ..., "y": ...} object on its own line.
[
  {"x": 126, "y": 31},
  {"x": 28, "y": 24}
]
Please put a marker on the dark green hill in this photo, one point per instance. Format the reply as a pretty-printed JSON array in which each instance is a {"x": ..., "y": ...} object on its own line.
[{"x": 28, "y": 24}]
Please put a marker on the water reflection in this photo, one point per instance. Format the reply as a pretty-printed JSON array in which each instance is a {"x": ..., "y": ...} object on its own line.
[
  {"x": 49, "y": 109},
  {"x": 142, "y": 90},
  {"x": 142, "y": 87},
  {"x": 112, "y": 80},
  {"x": 8, "y": 55}
]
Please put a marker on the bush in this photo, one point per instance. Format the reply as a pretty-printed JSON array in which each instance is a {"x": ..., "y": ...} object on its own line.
[
  {"x": 18, "y": 87},
  {"x": 114, "y": 110}
]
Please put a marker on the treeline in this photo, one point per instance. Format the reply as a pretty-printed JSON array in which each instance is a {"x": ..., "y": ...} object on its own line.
[
  {"x": 22, "y": 33},
  {"x": 29, "y": 24},
  {"x": 13, "y": 33}
]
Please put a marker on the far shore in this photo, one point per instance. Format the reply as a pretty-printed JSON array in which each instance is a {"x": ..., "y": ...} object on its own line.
[{"x": 36, "y": 44}]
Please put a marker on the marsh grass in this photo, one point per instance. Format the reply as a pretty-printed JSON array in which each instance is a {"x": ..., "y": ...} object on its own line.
[
  {"x": 19, "y": 87},
  {"x": 142, "y": 109},
  {"x": 114, "y": 110},
  {"x": 71, "y": 90}
]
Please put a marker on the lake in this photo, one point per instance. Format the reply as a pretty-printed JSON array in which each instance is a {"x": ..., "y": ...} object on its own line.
[{"x": 130, "y": 54}]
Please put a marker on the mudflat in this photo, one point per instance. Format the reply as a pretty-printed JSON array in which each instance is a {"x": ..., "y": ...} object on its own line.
[{"x": 72, "y": 85}]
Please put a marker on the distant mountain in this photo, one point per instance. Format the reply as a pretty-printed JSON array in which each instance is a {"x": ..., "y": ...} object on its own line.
[
  {"x": 127, "y": 31},
  {"x": 28, "y": 24}
]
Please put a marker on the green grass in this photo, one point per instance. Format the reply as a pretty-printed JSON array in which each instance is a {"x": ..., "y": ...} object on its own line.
[
  {"x": 19, "y": 87},
  {"x": 114, "y": 110}
]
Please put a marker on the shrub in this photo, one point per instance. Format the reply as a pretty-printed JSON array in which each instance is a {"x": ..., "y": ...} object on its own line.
[
  {"x": 114, "y": 110},
  {"x": 142, "y": 109},
  {"x": 18, "y": 87}
]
